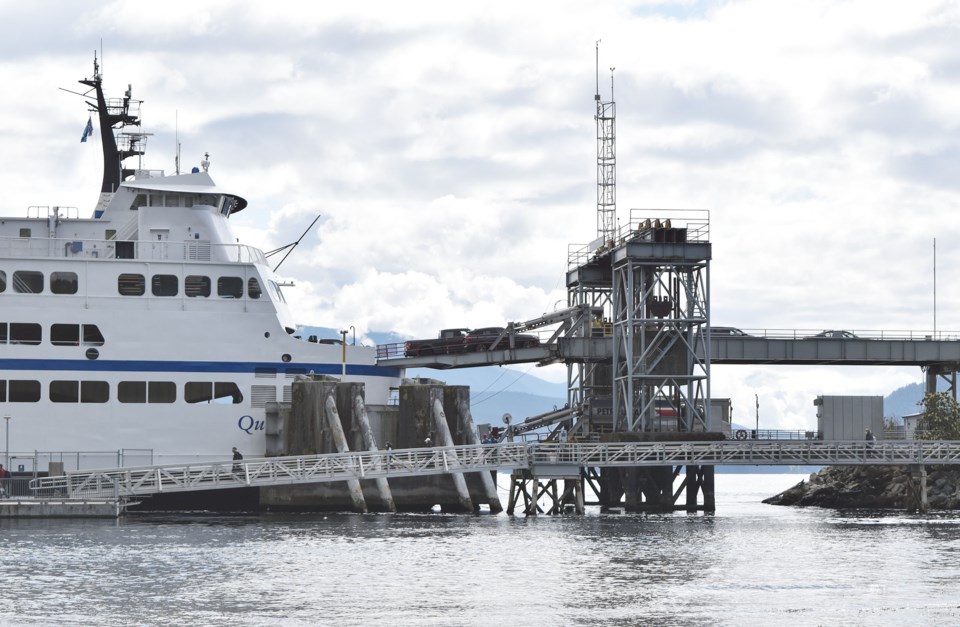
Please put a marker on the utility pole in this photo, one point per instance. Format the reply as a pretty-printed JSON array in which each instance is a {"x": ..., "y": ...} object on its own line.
[
  {"x": 6, "y": 458},
  {"x": 757, "y": 397}
]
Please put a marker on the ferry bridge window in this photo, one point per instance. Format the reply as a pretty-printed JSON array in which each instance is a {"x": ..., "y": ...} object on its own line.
[
  {"x": 79, "y": 391},
  {"x": 164, "y": 285},
  {"x": 25, "y": 333},
  {"x": 161, "y": 392},
  {"x": 230, "y": 287},
  {"x": 65, "y": 391},
  {"x": 3, "y": 281},
  {"x": 94, "y": 391},
  {"x": 132, "y": 392},
  {"x": 3, "y": 332},
  {"x": 196, "y": 285},
  {"x": 23, "y": 391},
  {"x": 207, "y": 391},
  {"x": 139, "y": 201},
  {"x": 63, "y": 282},
  {"x": 92, "y": 335},
  {"x": 65, "y": 334},
  {"x": 27, "y": 282},
  {"x": 3, "y": 391},
  {"x": 277, "y": 294},
  {"x": 147, "y": 392},
  {"x": 253, "y": 288},
  {"x": 131, "y": 285}
]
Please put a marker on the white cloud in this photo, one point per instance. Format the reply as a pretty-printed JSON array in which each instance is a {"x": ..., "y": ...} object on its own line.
[{"x": 451, "y": 149}]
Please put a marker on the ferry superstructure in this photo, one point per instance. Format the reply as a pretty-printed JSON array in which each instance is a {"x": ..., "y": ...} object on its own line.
[{"x": 146, "y": 326}]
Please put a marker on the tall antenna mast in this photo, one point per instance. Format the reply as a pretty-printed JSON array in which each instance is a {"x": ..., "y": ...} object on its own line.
[
  {"x": 176, "y": 158},
  {"x": 606, "y": 119}
]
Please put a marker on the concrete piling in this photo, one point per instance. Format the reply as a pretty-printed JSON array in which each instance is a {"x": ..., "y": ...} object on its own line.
[
  {"x": 383, "y": 486},
  {"x": 332, "y": 418},
  {"x": 471, "y": 437},
  {"x": 443, "y": 436}
]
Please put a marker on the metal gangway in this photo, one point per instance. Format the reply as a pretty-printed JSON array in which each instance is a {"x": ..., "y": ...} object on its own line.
[{"x": 536, "y": 457}]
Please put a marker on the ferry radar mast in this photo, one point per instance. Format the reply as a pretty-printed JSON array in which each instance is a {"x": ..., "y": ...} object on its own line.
[{"x": 114, "y": 113}]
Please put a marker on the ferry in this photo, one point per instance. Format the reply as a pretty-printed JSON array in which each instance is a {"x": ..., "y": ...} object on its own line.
[{"x": 144, "y": 330}]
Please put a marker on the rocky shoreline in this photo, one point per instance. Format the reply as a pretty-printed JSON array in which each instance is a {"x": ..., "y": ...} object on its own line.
[{"x": 872, "y": 487}]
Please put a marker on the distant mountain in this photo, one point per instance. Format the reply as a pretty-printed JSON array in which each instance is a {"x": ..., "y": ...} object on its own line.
[{"x": 903, "y": 401}]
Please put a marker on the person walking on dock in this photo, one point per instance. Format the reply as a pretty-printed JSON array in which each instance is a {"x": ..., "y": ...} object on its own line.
[
  {"x": 236, "y": 457},
  {"x": 4, "y": 478}
]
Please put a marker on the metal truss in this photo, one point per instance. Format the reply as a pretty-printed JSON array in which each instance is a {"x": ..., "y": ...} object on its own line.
[{"x": 661, "y": 363}]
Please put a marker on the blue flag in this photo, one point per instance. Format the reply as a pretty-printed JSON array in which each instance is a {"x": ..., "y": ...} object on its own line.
[{"x": 88, "y": 130}]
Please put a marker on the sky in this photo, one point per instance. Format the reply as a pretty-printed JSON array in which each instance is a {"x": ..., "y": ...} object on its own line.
[{"x": 449, "y": 149}]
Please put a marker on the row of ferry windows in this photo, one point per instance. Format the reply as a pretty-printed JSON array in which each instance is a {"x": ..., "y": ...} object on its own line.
[
  {"x": 193, "y": 286},
  {"x": 14, "y": 391},
  {"x": 31, "y": 333},
  {"x": 32, "y": 282}
]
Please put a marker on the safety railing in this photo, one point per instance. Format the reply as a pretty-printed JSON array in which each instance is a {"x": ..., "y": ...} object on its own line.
[
  {"x": 191, "y": 250},
  {"x": 129, "y": 482},
  {"x": 733, "y": 333},
  {"x": 133, "y": 482},
  {"x": 750, "y": 452}
]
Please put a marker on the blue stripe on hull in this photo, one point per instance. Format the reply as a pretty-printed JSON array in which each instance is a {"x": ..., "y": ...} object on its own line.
[{"x": 108, "y": 365}]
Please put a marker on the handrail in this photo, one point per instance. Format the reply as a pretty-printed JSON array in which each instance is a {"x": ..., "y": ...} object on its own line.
[
  {"x": 146, "y": 480},
  {"x": 143, "y": 250}
]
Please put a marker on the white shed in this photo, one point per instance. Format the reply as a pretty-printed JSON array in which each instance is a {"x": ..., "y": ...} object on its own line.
[{"x": 848, "y": 417}]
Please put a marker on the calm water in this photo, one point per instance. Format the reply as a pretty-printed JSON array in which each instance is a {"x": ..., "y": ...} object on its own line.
[{"x": 750, "y": 564}]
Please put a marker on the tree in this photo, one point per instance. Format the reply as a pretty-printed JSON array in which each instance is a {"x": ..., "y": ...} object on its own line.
[{"x": 941, "y": 417}]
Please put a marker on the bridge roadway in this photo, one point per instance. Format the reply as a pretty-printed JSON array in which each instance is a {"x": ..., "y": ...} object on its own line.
[
  {"x": 540, "y": 459},
  {"x": 785, "y": 347}
]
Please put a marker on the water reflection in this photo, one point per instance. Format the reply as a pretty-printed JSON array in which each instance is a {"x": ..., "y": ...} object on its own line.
[{"x": 748, "y": 564}]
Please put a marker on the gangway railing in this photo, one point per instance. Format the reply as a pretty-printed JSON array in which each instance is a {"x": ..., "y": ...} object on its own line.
[
  {"x": 747, "y": 453},
  {"x": 274, "y": 471},
  {"x": 143, "y": 481}
]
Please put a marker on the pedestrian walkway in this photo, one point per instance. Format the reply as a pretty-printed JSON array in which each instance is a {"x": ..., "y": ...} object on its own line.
[{"x": 543, "y": 459}]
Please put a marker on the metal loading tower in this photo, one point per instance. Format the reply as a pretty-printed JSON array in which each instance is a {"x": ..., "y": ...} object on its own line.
[
  {"x": 647, "y": 291},
  {"x": 660, "y": 300}
]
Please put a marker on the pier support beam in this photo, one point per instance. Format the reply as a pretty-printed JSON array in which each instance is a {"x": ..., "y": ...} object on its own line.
[
  {"x": 699, "y": 480},
  {"x": 470, "y": 436},
  {"x": 917, "y": 489},
  {"x": 370, "y": 443},
  {"x": 527, "y": 485},
  {"x": 444, "y": 438},
  {"x": 332, "y": 418}
]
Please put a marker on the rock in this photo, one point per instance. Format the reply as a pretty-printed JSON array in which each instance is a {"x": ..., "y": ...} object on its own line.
[{"x": 871, "y": 487}]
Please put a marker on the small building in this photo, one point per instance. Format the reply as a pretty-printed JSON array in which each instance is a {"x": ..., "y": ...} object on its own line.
[
  {"x": 721, "y": 413},
  {"x": 848, "y": 417},
  {"x": 910, "y": 424}
]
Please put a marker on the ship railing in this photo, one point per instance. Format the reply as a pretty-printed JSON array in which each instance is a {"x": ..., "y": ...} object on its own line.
[{"x": 163, "y": 250}]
